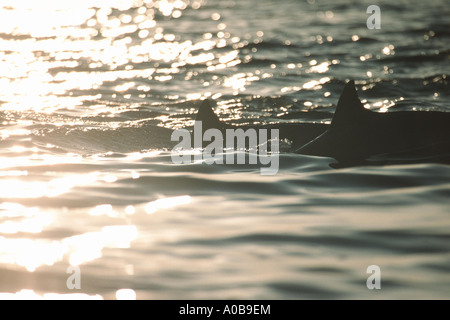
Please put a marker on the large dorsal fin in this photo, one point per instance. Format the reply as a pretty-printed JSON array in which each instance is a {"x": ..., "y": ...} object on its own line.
[
  {"x": 349, "y": 108},
  {"x": 207, "y": 116}
]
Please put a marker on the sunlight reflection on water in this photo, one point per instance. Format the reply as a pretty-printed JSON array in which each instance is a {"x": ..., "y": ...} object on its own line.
[
  {"x": 85, "y": 91},
  {"x": 40, "y": 70}
]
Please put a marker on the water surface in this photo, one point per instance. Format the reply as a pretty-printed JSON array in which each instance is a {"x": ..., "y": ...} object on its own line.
[{"x": 90, "y": 91}]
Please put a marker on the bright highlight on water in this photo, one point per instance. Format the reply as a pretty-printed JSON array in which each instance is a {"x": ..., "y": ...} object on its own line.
[{"x": 93, "y": 205}]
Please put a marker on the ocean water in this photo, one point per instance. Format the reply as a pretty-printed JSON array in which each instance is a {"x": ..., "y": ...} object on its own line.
[{"x": 91, "y": 90}]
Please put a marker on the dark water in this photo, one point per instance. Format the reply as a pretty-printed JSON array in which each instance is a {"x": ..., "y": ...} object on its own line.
[{"x": 88, "y": 93}]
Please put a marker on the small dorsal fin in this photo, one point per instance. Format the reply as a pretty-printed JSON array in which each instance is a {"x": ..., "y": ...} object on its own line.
[
  {"x": 207, "y": 116},
  {"x": 349, "y": 107}
]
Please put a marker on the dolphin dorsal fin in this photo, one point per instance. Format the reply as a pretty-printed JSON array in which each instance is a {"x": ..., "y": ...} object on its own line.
[
  {"x": 349, "y": 108},
  {"x": 207, "y": 116}
]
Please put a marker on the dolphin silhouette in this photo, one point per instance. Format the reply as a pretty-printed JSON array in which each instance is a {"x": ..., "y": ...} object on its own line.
[
  {"x": 298, "y": 133},
  {"x": 356, "y": 133}
]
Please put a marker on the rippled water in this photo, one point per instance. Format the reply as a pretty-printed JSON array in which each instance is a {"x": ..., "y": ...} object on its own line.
[{"x": 90, "y": 91}]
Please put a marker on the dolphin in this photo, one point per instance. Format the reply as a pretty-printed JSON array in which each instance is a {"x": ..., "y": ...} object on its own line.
[
  {"x": 298, "y": 133},
  {"x": 357, "y": 134}
]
